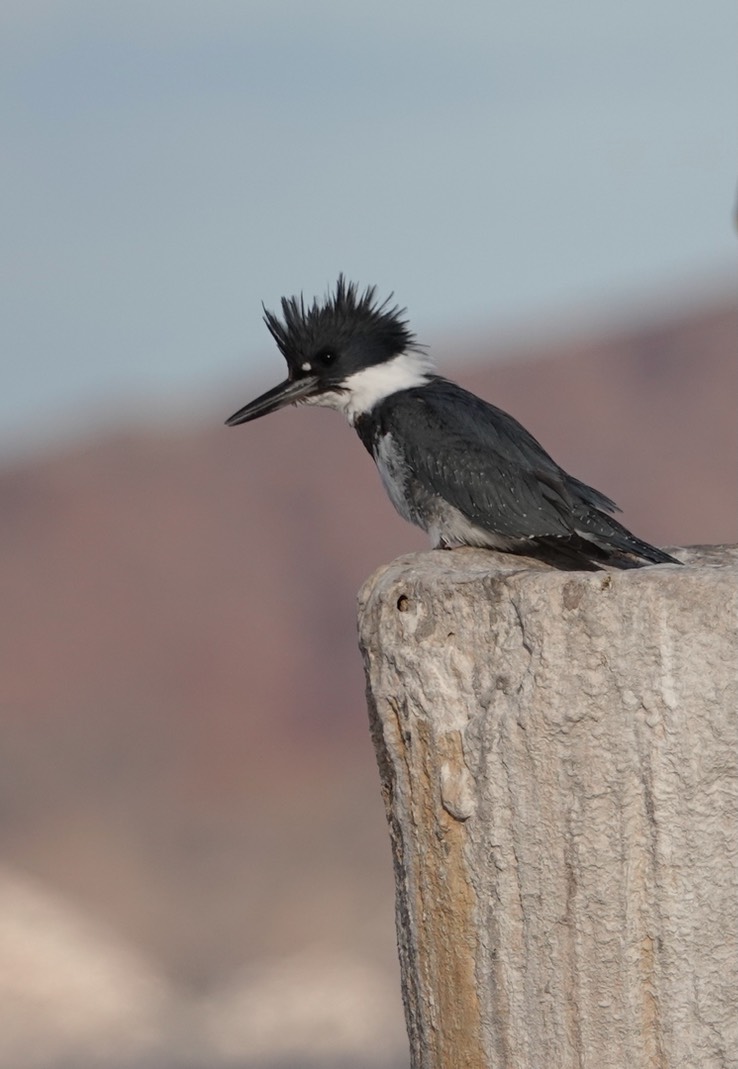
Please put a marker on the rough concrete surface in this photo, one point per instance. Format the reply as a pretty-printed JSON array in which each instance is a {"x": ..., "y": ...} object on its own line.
[{"x": 557, "y": 753}]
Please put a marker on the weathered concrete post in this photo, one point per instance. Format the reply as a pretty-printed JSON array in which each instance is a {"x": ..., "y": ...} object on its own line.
[{"x": 556, "y": 750}]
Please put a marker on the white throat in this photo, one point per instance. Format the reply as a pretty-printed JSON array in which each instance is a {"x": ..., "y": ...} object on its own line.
[{"x": 365, "y": 389}]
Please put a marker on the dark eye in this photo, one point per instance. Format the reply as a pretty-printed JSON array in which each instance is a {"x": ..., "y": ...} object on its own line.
[{"x": 324, "y": 357}]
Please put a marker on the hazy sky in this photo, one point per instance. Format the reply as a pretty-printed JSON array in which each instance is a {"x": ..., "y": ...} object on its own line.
[{"x": 168, "y": 165}]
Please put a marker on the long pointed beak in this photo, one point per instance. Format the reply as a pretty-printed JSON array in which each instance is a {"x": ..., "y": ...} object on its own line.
[{"x": 288, "y": 392}]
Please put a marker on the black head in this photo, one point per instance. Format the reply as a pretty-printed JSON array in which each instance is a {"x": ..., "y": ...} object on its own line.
[{"x": 325, "y": 344}]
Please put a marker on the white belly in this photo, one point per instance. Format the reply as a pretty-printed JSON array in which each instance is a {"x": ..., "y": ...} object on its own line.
[{"x": 392, "y": 473}]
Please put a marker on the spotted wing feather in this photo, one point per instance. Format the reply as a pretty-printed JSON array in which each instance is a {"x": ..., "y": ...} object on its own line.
[{"x": 497, "y": 475}]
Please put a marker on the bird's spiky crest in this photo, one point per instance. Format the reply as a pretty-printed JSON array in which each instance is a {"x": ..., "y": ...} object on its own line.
[{"x": 343, "y": 315}]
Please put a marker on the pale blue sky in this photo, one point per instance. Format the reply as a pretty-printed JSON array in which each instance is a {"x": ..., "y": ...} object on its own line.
[{"x": 166, "y": 166}]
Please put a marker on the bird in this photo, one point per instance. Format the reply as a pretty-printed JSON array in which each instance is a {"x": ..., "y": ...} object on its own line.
[{"x": 452, "y": 463}]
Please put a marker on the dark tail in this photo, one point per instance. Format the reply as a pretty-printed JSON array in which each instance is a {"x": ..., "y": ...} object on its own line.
[{"x": 610, "y": 536}]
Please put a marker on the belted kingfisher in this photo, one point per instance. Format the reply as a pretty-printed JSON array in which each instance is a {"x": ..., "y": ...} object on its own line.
[{"x": 462, "y": 470}]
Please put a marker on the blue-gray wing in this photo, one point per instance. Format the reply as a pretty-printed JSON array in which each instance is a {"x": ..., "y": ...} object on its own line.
[{"x": 483, "y": 462}]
